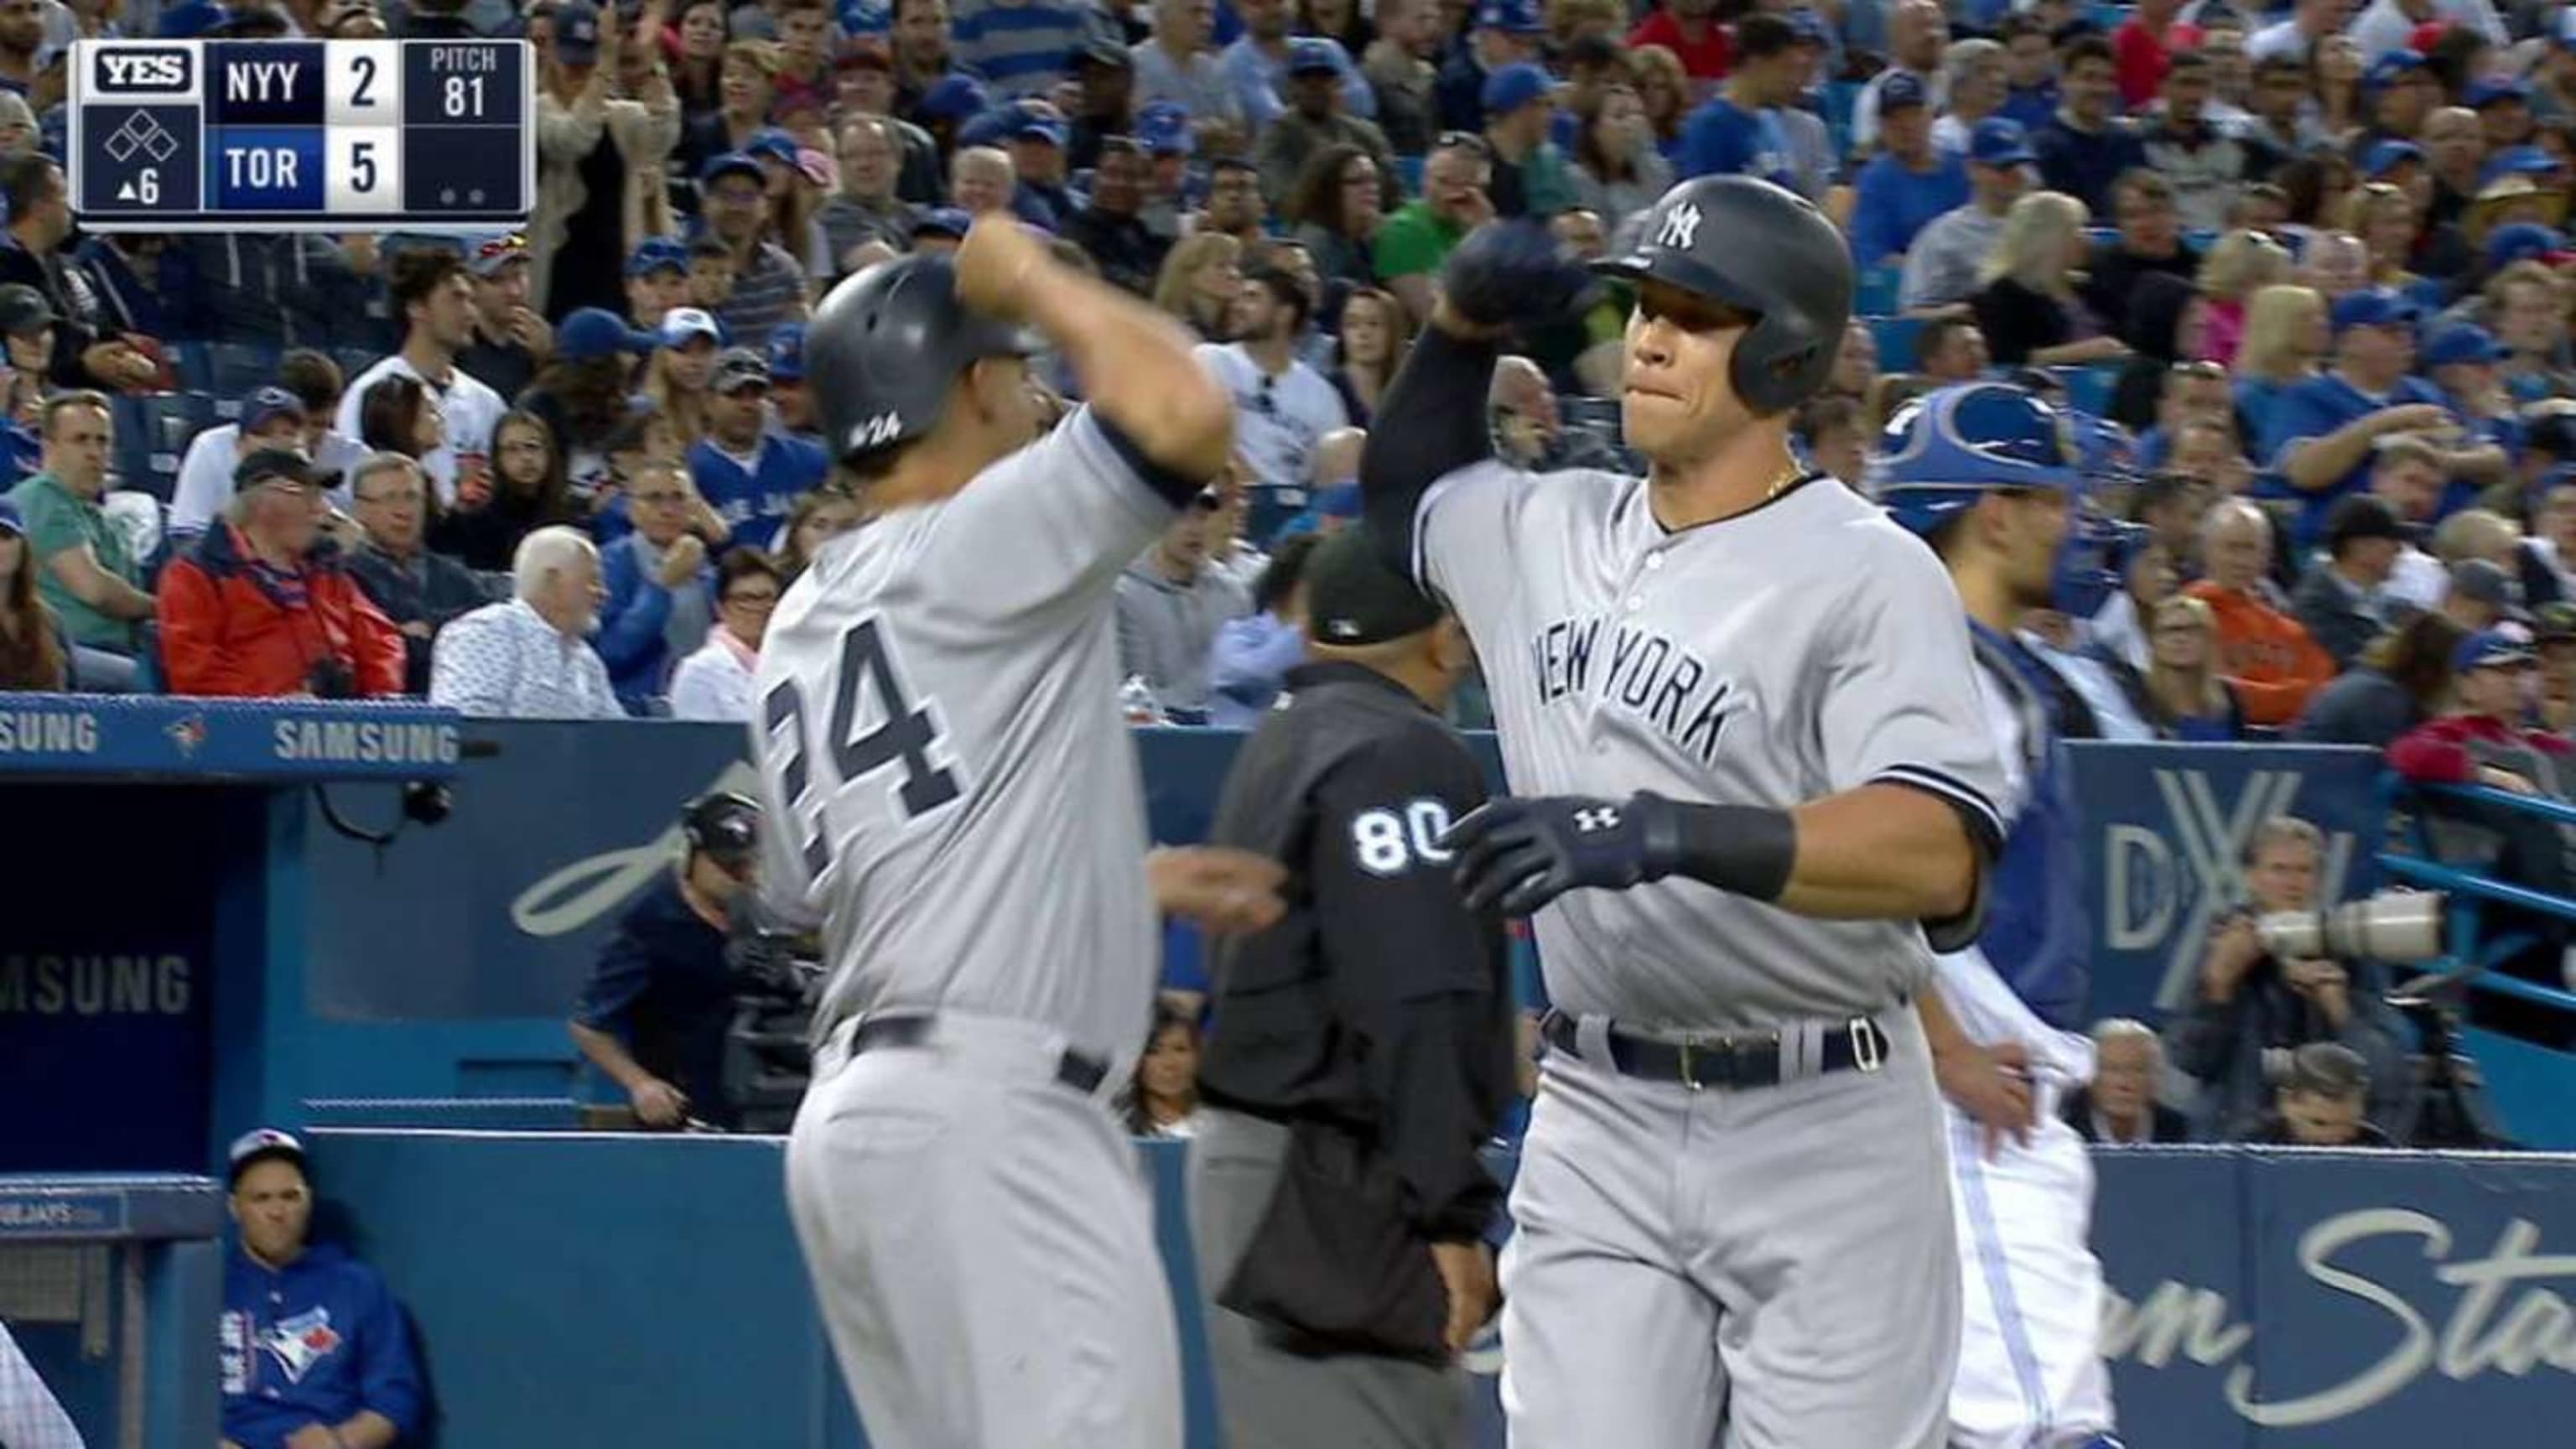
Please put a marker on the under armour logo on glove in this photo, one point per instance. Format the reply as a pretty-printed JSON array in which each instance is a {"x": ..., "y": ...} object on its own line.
[
  {"x": 1521, "y": 854},
  {"x": 1680, "y": 228}
]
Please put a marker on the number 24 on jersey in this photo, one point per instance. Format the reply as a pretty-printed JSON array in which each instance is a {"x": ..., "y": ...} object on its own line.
[{"x": 907, "y": 736}]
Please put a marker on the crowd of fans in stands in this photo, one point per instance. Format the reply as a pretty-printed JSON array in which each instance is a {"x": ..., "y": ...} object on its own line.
[{"x": 2307, "y": 263}]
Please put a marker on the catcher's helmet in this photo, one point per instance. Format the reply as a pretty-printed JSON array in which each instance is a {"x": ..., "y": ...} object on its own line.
[
  {"x": 724, "y": 827},
  {"x": 1759, "y": 249},
  {"x": 886, "y": 346}
]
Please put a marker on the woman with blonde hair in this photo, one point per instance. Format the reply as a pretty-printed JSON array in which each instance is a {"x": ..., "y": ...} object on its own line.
[
  {"x": 2285, "y": 344},
  {"x": 1199, "y": 281},
  {"x": 2183, "y": 694},
  {"x": 2028, "y": 307},
  {"x": 2238, "y": 265},
  {"x": 1665, "y": 89}
]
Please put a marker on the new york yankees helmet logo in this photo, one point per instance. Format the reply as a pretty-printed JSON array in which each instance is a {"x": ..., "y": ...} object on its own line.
[
  {"x": 1681, "y": 226},
  {"x": 1596, "y": 819}
]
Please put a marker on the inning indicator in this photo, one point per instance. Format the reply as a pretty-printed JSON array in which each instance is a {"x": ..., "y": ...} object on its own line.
[{"x": 302, "y": 135}]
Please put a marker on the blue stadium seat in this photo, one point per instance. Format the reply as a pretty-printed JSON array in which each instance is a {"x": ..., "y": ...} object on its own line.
[
  {"x": 1875, "y": 293},
  {"x": 1895, "y": 339}
]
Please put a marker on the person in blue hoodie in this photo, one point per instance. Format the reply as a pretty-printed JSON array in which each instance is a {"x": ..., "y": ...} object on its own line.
[
  {"x": 313, "y": 1351},
  {"x": 661, "y": 588}
]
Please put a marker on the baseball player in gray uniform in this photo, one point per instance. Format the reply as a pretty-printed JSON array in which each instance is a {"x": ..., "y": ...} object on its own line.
[
  {"x": 955, "y": 801},
  {"x": 1750, "y": 774}
]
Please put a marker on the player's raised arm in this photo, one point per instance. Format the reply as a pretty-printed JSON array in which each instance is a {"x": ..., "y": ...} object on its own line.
[
  {"x": 1133, "y": 361},
  {"x": 1433, "y": 420}
]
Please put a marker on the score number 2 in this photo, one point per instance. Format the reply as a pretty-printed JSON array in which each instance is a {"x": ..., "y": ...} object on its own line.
[{"x": 907, "y": 737}]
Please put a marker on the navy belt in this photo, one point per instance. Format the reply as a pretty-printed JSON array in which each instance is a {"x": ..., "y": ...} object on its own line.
[
  {"x": 1739, "y": 1060},
  {"x": 1072, "y": 1069}
]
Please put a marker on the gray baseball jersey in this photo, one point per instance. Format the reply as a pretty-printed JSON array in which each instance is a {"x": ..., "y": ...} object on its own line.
[
  {"x": 952, "y": 791},
  {"x": 1802, "y": 649}
]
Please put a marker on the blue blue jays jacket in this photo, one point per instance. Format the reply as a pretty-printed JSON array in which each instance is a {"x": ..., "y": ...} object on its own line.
[
  {"x": 787, "y": 469},
  {"x": 632, "y": 621},
  {"x": 312, "y": 1343},
  {"x": 2037, "y": 933}
]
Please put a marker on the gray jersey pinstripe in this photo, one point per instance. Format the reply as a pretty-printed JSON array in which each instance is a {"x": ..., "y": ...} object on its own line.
[
  {"x": 1800, "y": 650},
  {"x": 1023, "y": 894}
]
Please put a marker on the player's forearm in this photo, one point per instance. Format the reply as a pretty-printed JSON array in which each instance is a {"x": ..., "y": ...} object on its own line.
[
  {"x": 1881, "y": 852},
  {"x": 1136, "y": 367},
  {"x": 2321, "y": 463},
  {"x": 1431, "y": 423}
]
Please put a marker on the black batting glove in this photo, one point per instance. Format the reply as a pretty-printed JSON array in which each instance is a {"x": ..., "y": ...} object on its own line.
[
  {"x": 1512, "y": 273},
  {"x": 1520, "y": 854}
]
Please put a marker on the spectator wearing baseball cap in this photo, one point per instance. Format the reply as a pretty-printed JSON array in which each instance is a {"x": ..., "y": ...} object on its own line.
[
  {"x": 1529, "y": 172},
  {"x": 1316, "y": 119},
  {"x": 1173, "y": 64},
  {"x": 1909, "y": 182},
  {"x": 1500, "y": 33},
  {"x": 791, "y": 404},
  {"x": 1737, "y": 132},
  {"x": 2461, "y": 359},
  {"x": 599, "y": 188},
  {"x": 747, "y": 471},
  {"x": 2320, "y": 431},
  {"x": 768, "y": 282},
  {"x": 657, "y": 280},
  {"x": 311, "y": 1341},
  {"x": 509, "y": 339},
  {"x": 1036, "y": 137},
  {"x": 258, "y": 610},
  {"x": 1941, "y": 266},
  {"x": 2503, "y": 104},
  {"x": 1265, "y": 59}
]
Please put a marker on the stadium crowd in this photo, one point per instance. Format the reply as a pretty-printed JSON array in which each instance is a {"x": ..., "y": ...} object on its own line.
[{"x": 2296, "y": 276}]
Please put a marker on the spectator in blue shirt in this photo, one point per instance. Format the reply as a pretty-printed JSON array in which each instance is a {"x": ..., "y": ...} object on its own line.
[
  {"x": 750, "y": 475},
  {"x": 2461, "y": 361},
  {"x": 1909, "y": 183},
  {"x": 660, "y": 587},
  {"x": 1507, "y": 32},
  {"x": 1019, "y": 47},
  {"x": 1257, "y": 64},
  {"x": 2083, "y": 149},
  {"x": 1253, "y": 654},
  {"x": 1736, "y": 133},
  {"x": 312, "y": 1350},
  {"x": 2321, "y": 432}
]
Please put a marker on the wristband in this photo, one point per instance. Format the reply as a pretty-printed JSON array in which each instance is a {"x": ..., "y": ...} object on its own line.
[{"x": 1744, "y": 850}]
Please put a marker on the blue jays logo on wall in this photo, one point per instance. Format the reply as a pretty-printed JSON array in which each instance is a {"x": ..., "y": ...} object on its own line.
[{"x": 2167, "y": 830}]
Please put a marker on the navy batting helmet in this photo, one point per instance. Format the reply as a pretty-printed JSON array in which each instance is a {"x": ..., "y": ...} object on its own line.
[
  {"x": 886, "y": 346},
  {"x": 1761, "y": 250}
]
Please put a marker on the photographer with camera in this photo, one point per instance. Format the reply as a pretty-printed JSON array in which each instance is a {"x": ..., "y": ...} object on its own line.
[
  {"x": 657, "y": 1009},
  {"x": 2254, "y": 1008},
  {"x": 264, "y": 606}
]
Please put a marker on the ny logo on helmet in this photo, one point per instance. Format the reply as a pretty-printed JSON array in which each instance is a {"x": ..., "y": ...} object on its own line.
[
  {"x": 877, "y": 431},
  {"x": 1681, "y": 225}
]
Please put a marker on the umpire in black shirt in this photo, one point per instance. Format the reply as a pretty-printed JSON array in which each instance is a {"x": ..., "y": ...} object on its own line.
[{"x": 1361, "y": 1051}]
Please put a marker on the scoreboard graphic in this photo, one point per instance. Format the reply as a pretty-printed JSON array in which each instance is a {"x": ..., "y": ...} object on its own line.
[{"x": 289, "y": 135}]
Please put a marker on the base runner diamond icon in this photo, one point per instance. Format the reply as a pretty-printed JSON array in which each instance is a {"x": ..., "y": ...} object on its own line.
[{"x": 141, "y": 133}]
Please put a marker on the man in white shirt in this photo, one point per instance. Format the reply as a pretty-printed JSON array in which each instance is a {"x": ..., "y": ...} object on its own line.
[
  {"x": 2310, "y": 22},
  {"x": 1283, "y": 408},
  {"x": 528, "y": 658},
  {"x": 715, "y": 683},
  {"x": 294, "y": 415},
  {"x": 435, "y": 295}
]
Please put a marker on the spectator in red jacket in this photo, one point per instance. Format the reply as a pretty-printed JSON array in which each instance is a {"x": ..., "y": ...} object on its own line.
[
  {"x": 2139, "y": 52},
  {"x": 255, "y": 611},
  {"x": 1689, "y": 29},
  {"x": 2483, "y": 741}
]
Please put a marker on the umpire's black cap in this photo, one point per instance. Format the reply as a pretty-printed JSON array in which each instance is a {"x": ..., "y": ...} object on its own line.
[{"x": 1354, "y": 599}]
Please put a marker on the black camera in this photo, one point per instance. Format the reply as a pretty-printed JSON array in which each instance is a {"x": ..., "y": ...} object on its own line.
[{"x": 777, "y": 980}]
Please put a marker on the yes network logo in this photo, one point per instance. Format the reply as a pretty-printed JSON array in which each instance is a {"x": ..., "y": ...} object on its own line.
[{"x": 160, "y": 70}]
